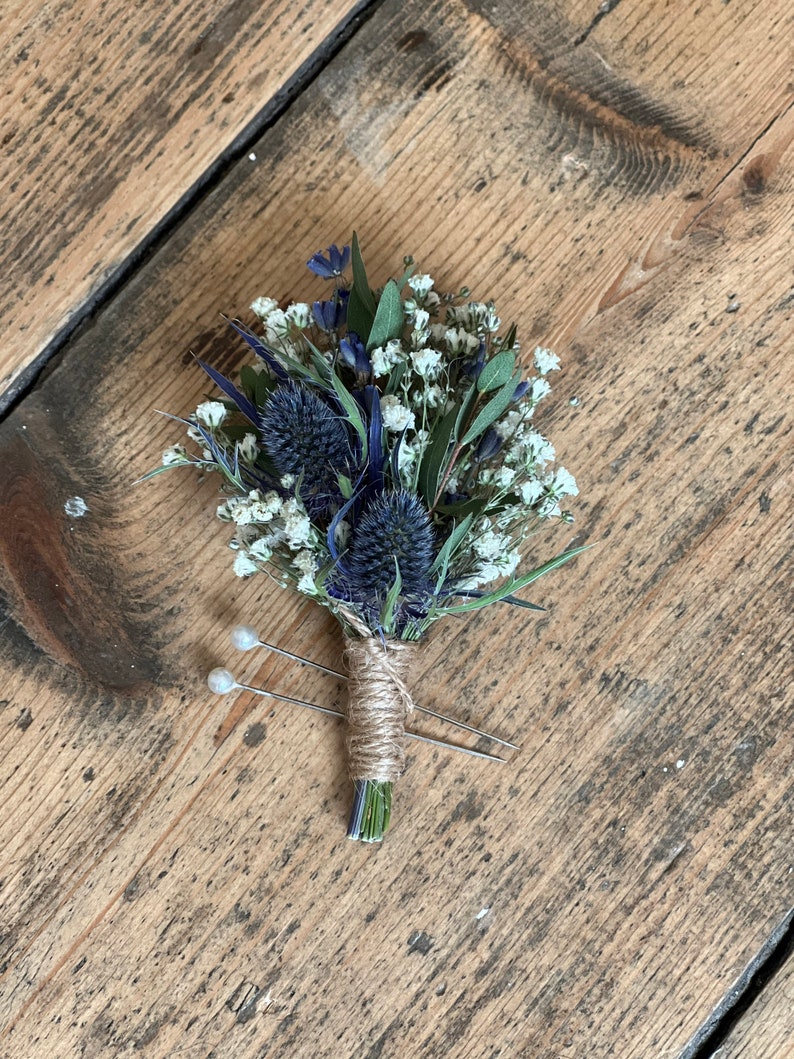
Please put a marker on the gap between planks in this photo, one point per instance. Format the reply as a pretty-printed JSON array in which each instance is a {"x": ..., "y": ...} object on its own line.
[{"x": 164, "y": 229}]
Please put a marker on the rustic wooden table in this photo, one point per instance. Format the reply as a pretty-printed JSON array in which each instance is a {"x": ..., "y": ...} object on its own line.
[{"x": 174, "y": 876}]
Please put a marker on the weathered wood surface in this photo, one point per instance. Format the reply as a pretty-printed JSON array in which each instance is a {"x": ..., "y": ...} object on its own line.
[
  {"x": 111, "y": 112},
  {"x": 767, "y": 1030},
  {"x": 175, "y": 877}
]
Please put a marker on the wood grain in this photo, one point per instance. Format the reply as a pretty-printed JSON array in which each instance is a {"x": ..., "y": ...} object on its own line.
[
  {"x": 767, "y": 1030},
  {"x": 175, "y": 877},
  {"x": 111, "y": 113}
]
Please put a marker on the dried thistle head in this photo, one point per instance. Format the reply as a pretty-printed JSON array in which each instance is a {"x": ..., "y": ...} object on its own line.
[{"x": 304, "y": 437}]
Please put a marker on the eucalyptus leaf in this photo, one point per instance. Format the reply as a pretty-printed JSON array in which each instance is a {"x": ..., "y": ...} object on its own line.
[
  {"x": 388, "y": 322},
  {"x": 496, "y": 372},
  {"x": 436, "y": 456},
  {"x": 359, "y": 318},
  {"x": 360, "y": 281},
  {"x": 450, "y": 546},
  {"x": 395, "y": 377},
  {"x": 460, "y": 508},
  {"x": 406, "y": 276},
  {"x": 265, "y": 384},
  {"x": 491, "y": 411},
  {"x": 235, "y": 432},
  {"x": 248, "y": 381},
  {"x": 466, "y": 408}
]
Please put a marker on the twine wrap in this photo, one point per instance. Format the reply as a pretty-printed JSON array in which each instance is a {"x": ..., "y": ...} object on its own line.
[{"x": 379, "y": 704}]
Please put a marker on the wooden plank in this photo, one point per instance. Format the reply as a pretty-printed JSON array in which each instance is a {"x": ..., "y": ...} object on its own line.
[
  {"x": 767, "y": 1030},
  {"x": 176, "y": 880},
  {"x": 112, "y": 112}
]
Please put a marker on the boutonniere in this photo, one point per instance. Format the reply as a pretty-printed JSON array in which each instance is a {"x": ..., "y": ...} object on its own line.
[{"x": 380, "y": 455}]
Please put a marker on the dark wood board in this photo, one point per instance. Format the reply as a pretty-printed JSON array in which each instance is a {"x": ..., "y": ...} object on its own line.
[{"x": 111, "y": 113}]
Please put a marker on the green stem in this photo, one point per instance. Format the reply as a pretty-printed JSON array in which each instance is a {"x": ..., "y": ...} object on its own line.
[{"x": 369, "y": 818}]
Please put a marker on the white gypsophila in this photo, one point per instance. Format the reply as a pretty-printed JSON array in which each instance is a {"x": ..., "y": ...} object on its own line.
[
  {"x": 421, "y": 329},
  {"x": 306, "y": 584},
  {"x": 426, "y": 362},
  {"x": 306, "y": 562},
  {"x": 409, "y": 453},
  {"x": 248, "y": 448},
  {"x": 460, "y": 342},
  {"x": 287, "y": 481},
  {"x": 530, "y": 450},
  {"x": 557, "y": 485},
  {"x": 474, "y": 317},
  {"x": 420, "y": 285},
  {"x": 212, "y": 414},
  {"x": 254, "y": 508},
  {"x": 500, "y": 566},
  {"x": 563, "y": 483},
  {"x": 175, "y": 455},
  {"x": 489, "y": 544},
  {"x": 503, "y": 565},
  {"x": 263, "y": 307},
  {"x": 262, "y": 549},
  {"x": 298, "y": 530},
  {"x": 512, "y": 425},
  {"x": 504, "y": 476},
  {"x": 243, "y": 566},
  {"x": 539, "y": 389},
  {"x": 429, "y": 301},
  {"x": 299, "y": 313},
  {"x": 396, "y": 417},
  {"x": 491, "y": 322},
  {"x": 531, "y": 491},
  {"x": 433, "y": 396},
  {"x": 278, "y": 326},
  {"x": 545, "y": 360},
  {"x": 383, "y": 358},
  {"x": 341, "y": 535}
]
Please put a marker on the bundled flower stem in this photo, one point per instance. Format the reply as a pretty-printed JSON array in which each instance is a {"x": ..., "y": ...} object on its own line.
[{"x": 380, "y": 456}]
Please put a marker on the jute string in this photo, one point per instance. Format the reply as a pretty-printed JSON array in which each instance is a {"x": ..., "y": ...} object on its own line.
[{"x": 379, "y": 703}]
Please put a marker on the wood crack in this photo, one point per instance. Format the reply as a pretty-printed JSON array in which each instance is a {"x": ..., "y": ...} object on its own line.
[
  {"x": 777, "y": 949},
  {"x": 606, "y": 7}
]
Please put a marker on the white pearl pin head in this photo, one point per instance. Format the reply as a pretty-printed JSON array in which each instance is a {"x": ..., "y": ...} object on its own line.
[
  {"x": 244, "y": 637},
  {"x": 221, "y": 681}
]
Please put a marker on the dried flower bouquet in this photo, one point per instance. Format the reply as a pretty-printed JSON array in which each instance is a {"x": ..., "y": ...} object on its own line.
[{"x": 380, "y": 456}]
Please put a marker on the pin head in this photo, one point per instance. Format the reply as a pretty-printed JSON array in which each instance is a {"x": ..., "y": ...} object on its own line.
[
  {"x": 244, "y": 637},
  {"x": 221, "y": 681}
]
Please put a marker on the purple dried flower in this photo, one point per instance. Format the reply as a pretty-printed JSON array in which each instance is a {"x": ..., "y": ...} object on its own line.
[
  {"x": 331, "y": 266},
  {"x": 354, "y": 354}
]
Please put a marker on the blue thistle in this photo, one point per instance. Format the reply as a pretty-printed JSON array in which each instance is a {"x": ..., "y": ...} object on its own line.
[
  {"x": 303, "y": 436},
  {"x": 393, "y": 526}
]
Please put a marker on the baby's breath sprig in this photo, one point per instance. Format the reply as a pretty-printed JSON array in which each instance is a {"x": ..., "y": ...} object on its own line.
[{"x": 380, "y": 456}]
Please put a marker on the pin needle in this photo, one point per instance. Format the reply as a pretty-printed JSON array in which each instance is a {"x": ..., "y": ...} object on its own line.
[
  {"x": 245, "y": 638},
  {"x": 222, "y": 681}
]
